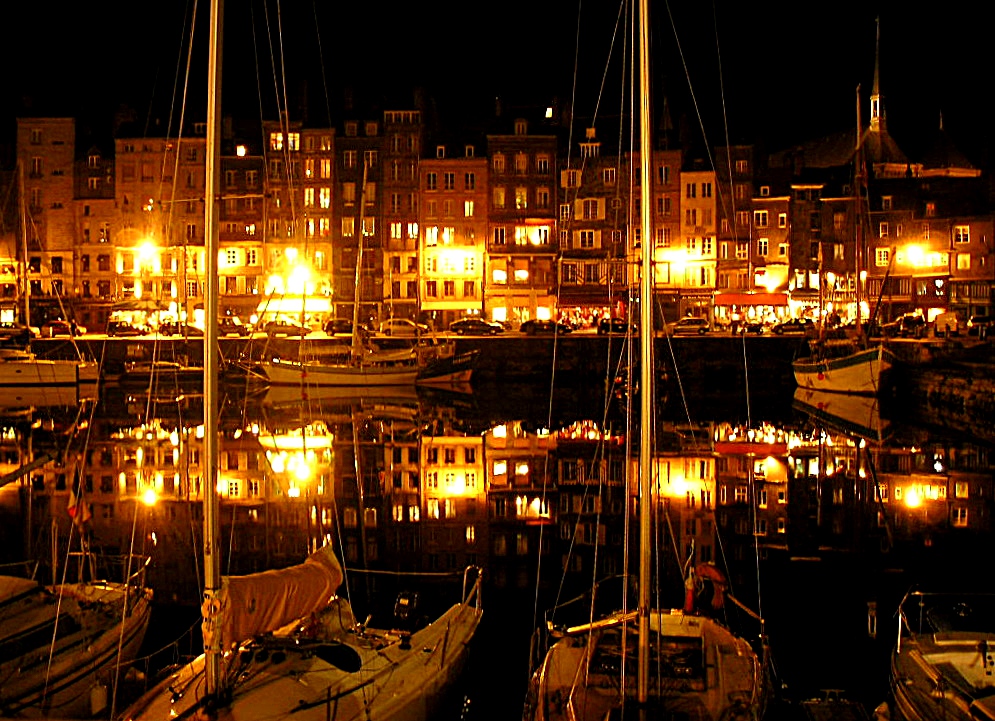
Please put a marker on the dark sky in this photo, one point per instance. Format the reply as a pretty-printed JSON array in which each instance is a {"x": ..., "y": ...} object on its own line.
[{"x": 788, "y": 71}]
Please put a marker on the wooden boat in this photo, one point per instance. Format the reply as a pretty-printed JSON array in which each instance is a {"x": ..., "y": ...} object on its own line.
[{"x": 845, "y": 368}]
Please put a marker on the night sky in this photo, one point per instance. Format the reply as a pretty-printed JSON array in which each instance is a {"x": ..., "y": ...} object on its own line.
[{"x": 786, "y": 75}]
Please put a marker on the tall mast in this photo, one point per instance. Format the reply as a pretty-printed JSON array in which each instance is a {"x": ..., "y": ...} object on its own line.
[
  {"x": 646, "y": 338},
  {"x": 24, "y": 246},
  {"x": 212, "y": 536},
  {"x": 357, "y": 341},
  {"x": 858, "y": 214}
]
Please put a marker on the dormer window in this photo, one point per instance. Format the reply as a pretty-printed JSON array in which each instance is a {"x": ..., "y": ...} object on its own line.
[
  {"x": 886, "y": 202},
  {"x": 468, "y": 151},
  {"x": 764, "y": 191},
  {"x": 521, "y": 127}
]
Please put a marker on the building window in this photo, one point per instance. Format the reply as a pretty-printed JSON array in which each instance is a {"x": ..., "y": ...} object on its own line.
[
  {"x": 883, "y": 230},
  {"x": 962, "y": 234},
  {"x": 763, "y": 245},
  {"x": 691, "y": 190},
  {"x": 782, "y": 220},
  {"x": 608, "y": 176},
  {"x": 882, "y": 256},
  {"x": 760, "y": 218}
]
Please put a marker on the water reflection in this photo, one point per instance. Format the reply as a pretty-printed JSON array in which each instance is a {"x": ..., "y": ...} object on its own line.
[{"x": 531, "y": 488}]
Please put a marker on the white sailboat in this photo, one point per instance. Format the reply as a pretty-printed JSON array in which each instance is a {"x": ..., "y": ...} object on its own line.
[
  {"x": 941, "y": 665},
  {"x": 281, "y": 643},
  {"x": 651, "y": 662},
  {"x": 64, "y": 647}
]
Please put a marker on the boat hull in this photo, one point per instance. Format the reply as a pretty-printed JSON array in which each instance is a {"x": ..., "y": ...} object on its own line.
[
  {"x": 319, "y": 374},
  {"x": 333, "y": 670},
  {"x": 863, "y": 372},
  {"x": 32, "y": 371},
  {"x": 92, "y": 631}
]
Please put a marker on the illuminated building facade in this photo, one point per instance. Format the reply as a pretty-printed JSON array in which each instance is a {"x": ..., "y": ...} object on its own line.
[
  {"x": 404, "y": 140},
  {"x": 453, "y": 219},
  {"x": 522, "y": 244}
]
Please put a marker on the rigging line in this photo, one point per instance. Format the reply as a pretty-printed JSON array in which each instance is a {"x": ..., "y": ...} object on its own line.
[
  {"x": 321, "y": 61},
  {"x": 728, "y": 144},
  {"x": 694, "y": 97},
  {"x": 124, "y": 611}
]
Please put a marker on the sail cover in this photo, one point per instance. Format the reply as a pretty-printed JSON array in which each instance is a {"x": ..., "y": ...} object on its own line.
[{"x": 263, "y": 602}]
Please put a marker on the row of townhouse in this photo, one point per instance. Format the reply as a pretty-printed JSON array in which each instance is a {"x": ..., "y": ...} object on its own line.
[{"x": 519, "y": 231}]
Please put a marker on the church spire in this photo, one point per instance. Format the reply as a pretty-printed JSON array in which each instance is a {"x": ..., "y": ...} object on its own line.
[{"x": 877, "y": 112}]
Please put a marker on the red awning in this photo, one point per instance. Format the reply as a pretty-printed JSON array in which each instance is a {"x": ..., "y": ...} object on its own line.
[{"x": 751, "y": 299}]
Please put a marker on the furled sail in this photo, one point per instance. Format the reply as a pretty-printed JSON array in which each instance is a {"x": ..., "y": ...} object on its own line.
[{"x": 263, "y": 602}]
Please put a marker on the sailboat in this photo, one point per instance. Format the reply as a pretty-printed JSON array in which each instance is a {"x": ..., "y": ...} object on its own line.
[
  {"x": 64, "y": 645},
  {"x": 941, "y": 665},
  {"x": 661, "y": 662},
  {"x": 848, "y": 365},
  {"x": 19, "y": 366},
  {"x": 283, "y": 643}
]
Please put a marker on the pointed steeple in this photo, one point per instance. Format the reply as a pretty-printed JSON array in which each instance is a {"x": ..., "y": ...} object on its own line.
[{"x": 877, "y": 112}]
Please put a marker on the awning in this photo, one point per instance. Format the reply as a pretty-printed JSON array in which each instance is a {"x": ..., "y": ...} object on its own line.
[{"x": 751, "y": 299}]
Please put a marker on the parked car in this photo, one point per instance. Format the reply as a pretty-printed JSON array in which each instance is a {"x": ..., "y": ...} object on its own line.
[
  {"x": 121, "y": 328},
  {"x": 475, "y": 326},
  {"x": 946, "y": 324},
  {"x": 232, "y": 325},
  {"x": 402, "y": 326},
  {"x": 286, "y": 327},
  {"x": 794, "y": 326},
  {"x": 979, "y": 325},
  {"x": 54, "y": 328},
  {"x": 338, "y": 325},
  {"x": 617, "y": 326},
  {"x": 544, "y": 327},
  {"x": 184, "y": 329},
  {"x": 688, "y": 324},
  {"x": 18, "y": 333},
  {"x": 905, "y": 326}
]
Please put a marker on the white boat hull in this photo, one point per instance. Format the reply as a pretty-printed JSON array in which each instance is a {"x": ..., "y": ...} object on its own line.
[
  {"x": 335, "y": 671},
  {"x": 31, "y": 371},
  {"x": 942, "y": 674},
  {"x": 862, "y": 372},
  {"x": 92, "y": 630},
  {"x": 707, "y": 673}
]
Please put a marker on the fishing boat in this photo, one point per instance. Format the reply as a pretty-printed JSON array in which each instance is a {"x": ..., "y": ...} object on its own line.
[
  {"x": 64, "y": 645},
  {"x": 845, "y": 368},
  {"x": 943, "y": 659},
  {"x": 283, "y": 643},
  {"x": 652, "y": 661},
  {"x": 847, "y": 365}
]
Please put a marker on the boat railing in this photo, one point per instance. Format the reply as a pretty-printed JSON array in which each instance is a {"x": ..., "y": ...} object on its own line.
[{"x": 473, "y": 595}]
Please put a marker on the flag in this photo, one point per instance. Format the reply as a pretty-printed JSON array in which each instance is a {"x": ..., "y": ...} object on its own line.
[{"x": 79, "y": 511}]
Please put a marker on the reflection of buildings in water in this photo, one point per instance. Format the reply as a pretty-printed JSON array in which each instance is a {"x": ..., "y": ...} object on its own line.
[
  {"x": 411, "y": 486},
  {"x": 519, "y": 486}
]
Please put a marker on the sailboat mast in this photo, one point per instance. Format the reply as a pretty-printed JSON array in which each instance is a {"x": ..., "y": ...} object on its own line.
[
  {"x": 212, "y": 536},
  {"x": 646, "y": 389},
  {"x": 357, "y": 344},
  {"x": 24, "y": 246},
  {"x": 858, "y": 216}
]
